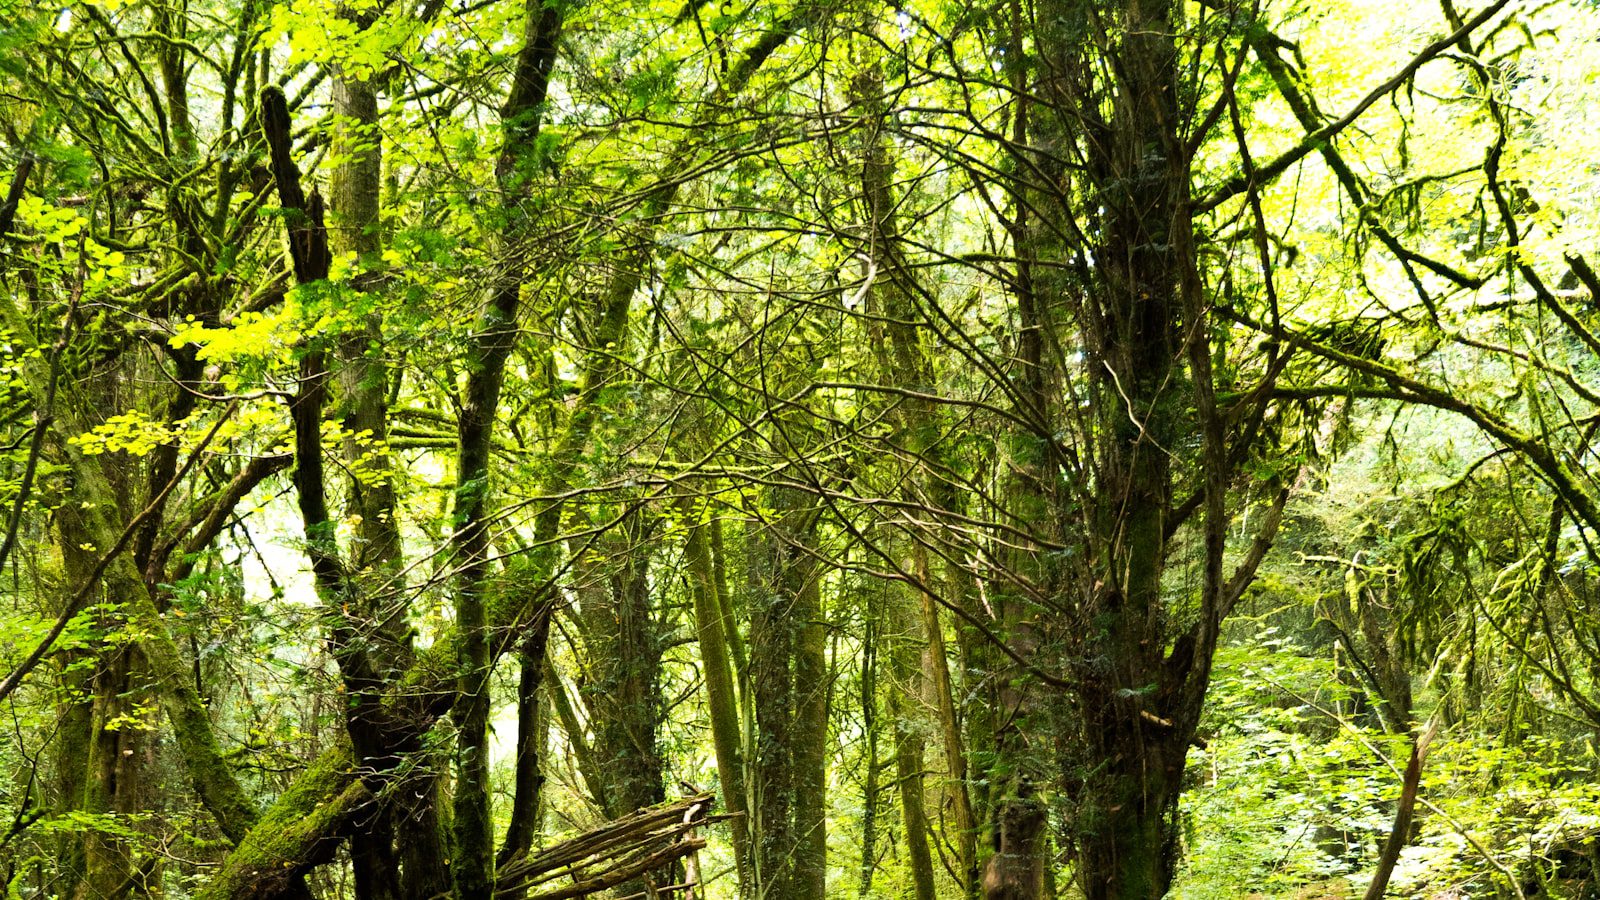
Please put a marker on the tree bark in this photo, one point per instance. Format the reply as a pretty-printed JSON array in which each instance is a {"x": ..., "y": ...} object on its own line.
[
  {"x": 622, "y": 669},
  {"x": 375, "y": 552},
  {"x": 532, "y": 733},
  {"x": 904, "y": 362},
  {"x": 721, "y": 697},
  {"x": 1131, "y": 711},
  {"x": 1400, "y": 833},
  {"x": 904, "y": 710},
  {"x": 814, "y": 688},
  {"x": 472, "y": 859}
]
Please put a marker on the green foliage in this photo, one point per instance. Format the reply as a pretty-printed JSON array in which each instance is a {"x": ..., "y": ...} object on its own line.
[{"x": 714, "y": 280}]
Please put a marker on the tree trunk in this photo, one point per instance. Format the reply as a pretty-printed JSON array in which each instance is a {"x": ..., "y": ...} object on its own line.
[
  {"x": 622, "y": 669},
  {"x": 1015, "y": 870},
  {"x": 75, "y": 730},
  {"x": 937, "y": 668},
  {"x": 908, "y": 740},
  {"x": 622, "y": 685},
  {"x": 300, "y": 831},
  {"x": 772, "y": 640},
  {"x": 788, "y": 690},
  {"x": 1132, "y": 712},
  {"x": 532, "y": 733},
  {"x": 722, "y": 704},
  {"x": 871, "y": 640},
  {"x": 375, "y": 552},
  {"x": 813, "y": 683},
  {"x": 904, "y": 362},
  {"x": 1400, "y": 833},
  {"x": 472, "y": 856}
]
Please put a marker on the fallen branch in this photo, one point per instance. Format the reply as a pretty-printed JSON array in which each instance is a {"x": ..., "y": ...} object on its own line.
[{"x": 613, "y": 853}]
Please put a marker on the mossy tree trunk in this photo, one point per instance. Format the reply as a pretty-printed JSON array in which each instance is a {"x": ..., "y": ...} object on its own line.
[
  {"x": 712, "y": 626},
  {"x": 905, "y": 651},
  {"x": 814, "y": 684},
  {"x": 787, "y": 684},
  {"x": 621, "y": 687},
  {"x": 380, "y": 643},
  {"x": 623, "y": 641},
  {"x": 904, "y": 364},
  {"x": 472, "y": 856},
  {"x": 1113, "y": 106}
]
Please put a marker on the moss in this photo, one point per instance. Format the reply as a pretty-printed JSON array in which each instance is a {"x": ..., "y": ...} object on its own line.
[
  {"x": 296, "y": 832},
  {"x": 96, "y": 526},
  {"x": 191, "y": 723},
  {"x": 28, "y": 866}
]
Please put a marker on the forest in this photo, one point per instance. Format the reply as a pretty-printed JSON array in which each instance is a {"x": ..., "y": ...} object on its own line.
[{"x": 732, "y": 450}]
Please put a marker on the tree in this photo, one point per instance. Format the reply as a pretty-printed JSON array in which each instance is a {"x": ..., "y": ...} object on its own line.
[{"x": 431, "y": 430}]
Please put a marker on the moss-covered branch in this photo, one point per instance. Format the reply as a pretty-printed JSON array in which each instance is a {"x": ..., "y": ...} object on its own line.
[{"x": 298, "y": 832}]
